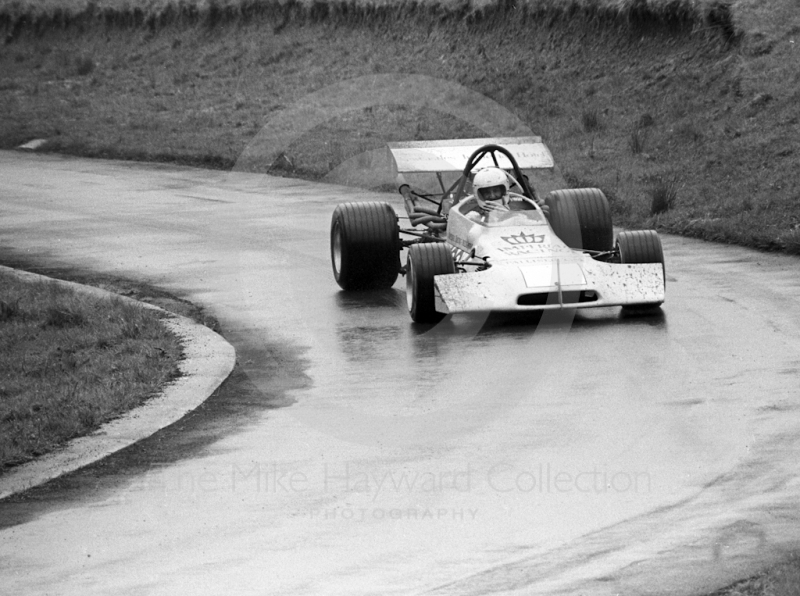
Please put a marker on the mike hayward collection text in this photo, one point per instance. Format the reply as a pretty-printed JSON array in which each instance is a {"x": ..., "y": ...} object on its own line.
[{"x": 376, "y": 483}]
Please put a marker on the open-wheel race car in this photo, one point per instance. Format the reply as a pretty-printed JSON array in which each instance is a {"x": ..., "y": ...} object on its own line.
[{"x": 541, "y": 248}]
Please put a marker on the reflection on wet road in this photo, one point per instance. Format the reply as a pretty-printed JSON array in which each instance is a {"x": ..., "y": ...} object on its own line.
[{"x": 367, "y": 455}]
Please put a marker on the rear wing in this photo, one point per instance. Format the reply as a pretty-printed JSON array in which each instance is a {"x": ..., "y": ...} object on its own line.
[{"x": 451, "y": 155}]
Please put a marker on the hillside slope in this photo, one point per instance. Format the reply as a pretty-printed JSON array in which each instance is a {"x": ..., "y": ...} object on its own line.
[{"x": 685, "y": 113}]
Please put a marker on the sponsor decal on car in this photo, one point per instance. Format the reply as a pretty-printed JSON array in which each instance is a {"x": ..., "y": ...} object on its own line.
[
  {"x": 459, "y": 241},
  {"x": 522, "y": 243},
  {"x": 523, "y": 238}
]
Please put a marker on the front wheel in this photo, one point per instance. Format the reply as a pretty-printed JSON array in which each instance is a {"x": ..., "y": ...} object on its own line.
[
  {"x": 425, "y": 261},
  {"x": 641, "y": 246},
  {"x": 365, "y": 246}
]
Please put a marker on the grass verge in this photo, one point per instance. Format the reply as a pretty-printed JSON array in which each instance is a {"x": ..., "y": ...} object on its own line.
[{"x": 70, "y": 362}]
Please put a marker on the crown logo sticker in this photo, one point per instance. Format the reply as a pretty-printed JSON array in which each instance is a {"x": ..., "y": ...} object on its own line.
[{"x": 523, "y": 238}]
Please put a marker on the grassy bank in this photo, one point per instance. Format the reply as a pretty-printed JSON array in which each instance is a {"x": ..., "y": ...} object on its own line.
[
  {"x": 71, "y": 362},
  {"x": 683, "y": 112}
]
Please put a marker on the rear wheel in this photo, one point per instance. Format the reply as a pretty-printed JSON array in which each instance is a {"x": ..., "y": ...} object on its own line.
[
  {"x": 424, "y": 262},
  {"x": 365, "y": 246},
  {"x": 641, "y": 246},
  {"x": 581, "y": 217}
]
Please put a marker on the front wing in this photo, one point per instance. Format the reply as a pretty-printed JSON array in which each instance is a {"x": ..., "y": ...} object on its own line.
[{"x": 546, "y": 285}]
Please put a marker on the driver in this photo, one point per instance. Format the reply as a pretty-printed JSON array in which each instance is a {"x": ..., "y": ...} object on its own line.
[{"x": 490, "y": 188}]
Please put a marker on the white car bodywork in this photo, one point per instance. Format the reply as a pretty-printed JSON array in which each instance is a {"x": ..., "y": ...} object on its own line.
[
  {"x": 450, "y": 156},
  {"x": 529, "y": 266},
  {"x": 532, "y": 269}
]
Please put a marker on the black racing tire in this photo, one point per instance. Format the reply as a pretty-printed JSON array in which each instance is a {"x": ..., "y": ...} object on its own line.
[
  {"x": 365, "y": 246},
  {"x": 641, "y": 246},
  {"x": 425, "y": 261},
  {"x": 581, "y": 217},
  {"x": 563, "y": 218}
]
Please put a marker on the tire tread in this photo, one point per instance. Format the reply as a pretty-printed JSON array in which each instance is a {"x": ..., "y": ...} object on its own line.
[
  {"x": 428, "y": 261},
  {"x": 370, "y": 245},
  {"x": 581, "y": 217}
]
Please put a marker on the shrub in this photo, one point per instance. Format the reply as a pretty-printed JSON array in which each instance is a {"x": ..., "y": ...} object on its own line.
[
  {"x": 84, "y": 65},
  {"x": 790, "y": 241},
  {"x": 663, "y": 195},
  {"x": 590, "y": 120},
  {"x": 645, "y": 120},
  {"x": 60, "y": 316},
  {"x": 9, "y": 310},
  {"x": 690, "y": 131},
  {"x": 637, "y": 140}
]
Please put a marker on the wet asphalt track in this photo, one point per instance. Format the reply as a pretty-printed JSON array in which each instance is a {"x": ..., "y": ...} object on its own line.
[{"x": 361, "y": 454}]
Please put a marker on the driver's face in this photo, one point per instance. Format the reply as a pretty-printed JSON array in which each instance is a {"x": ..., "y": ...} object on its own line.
[{"x": 493, "y": 193}]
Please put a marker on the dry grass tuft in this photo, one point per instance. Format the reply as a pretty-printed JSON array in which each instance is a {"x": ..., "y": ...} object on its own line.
[
  {"x": 9, "y": 310},
  {"x": 84, "y": 65},
  {"x": 663, "y": 195},
  {"x": 590, "y": 120},
  {"x": 790, "y": 241},
  {"x": 637, "y": 140},
  {"x": 689, "y": 131}
]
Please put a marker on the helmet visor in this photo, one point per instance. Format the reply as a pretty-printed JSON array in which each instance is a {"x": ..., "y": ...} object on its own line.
[{"x": 492, "y": 193}]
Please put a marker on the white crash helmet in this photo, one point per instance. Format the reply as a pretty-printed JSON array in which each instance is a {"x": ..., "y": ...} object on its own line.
[{"x": 490, "y": 186}]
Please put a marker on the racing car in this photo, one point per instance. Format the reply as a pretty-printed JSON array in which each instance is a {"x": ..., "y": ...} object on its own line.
[{"x": 556, "y": 250}]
